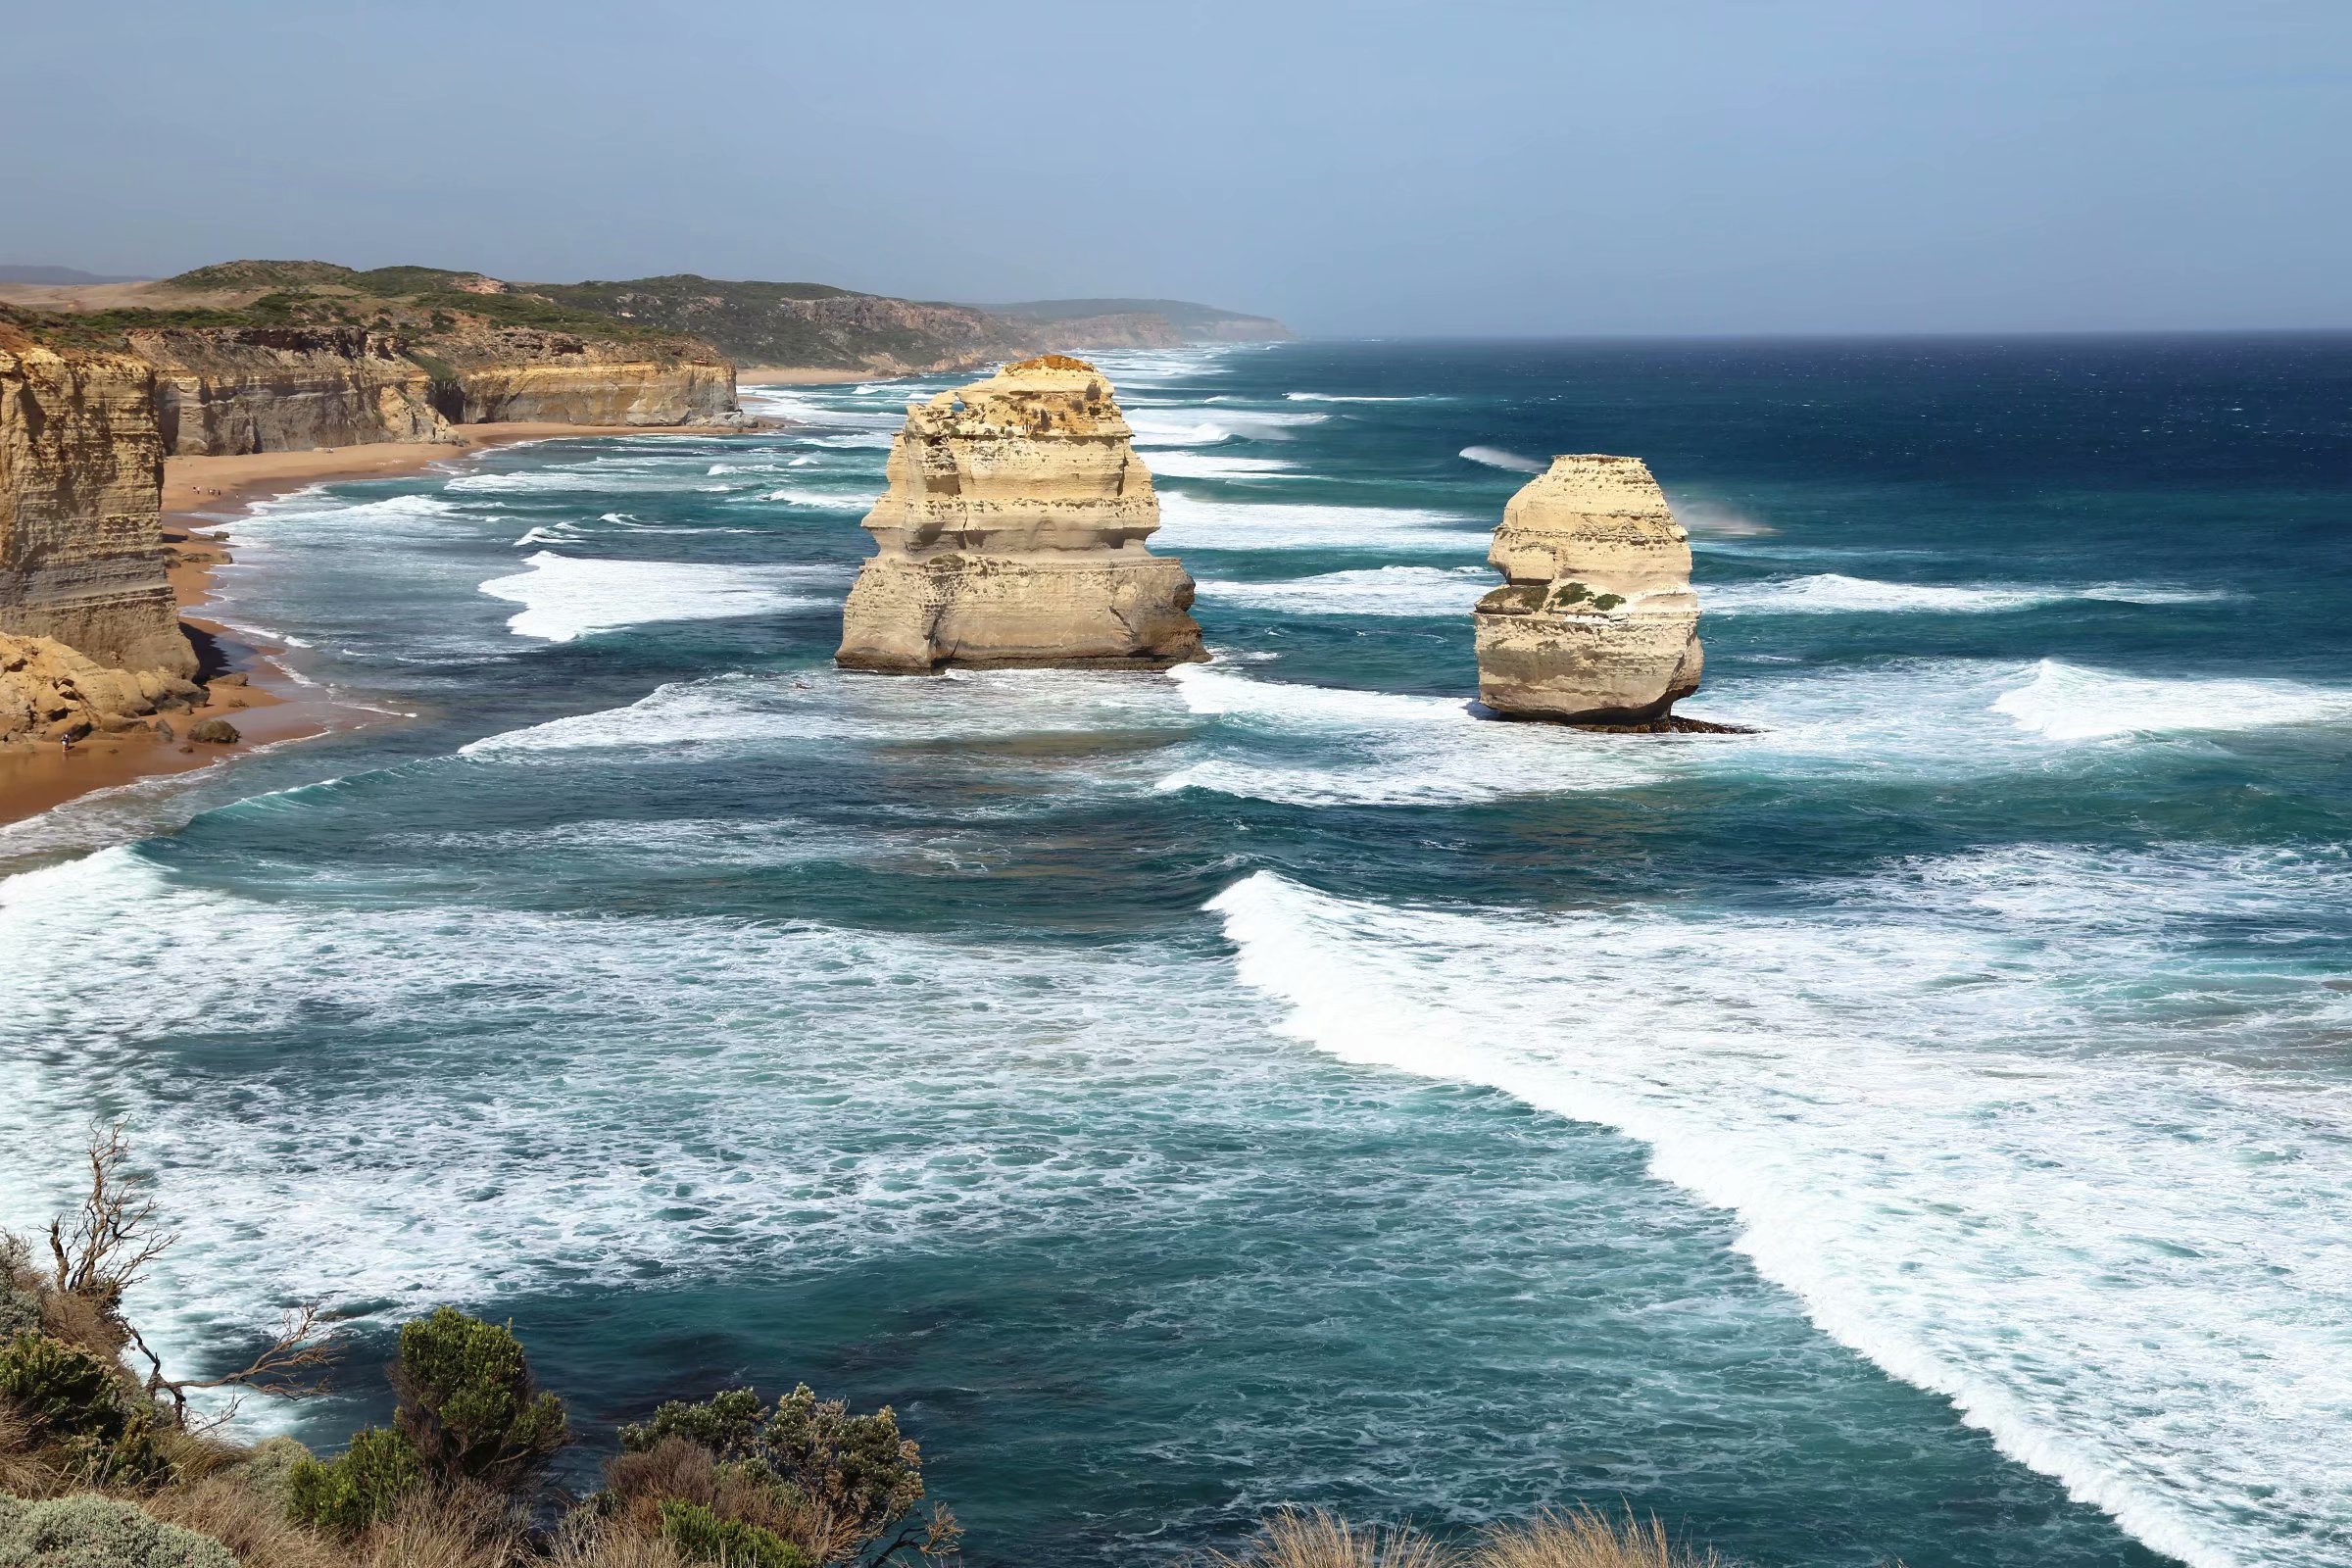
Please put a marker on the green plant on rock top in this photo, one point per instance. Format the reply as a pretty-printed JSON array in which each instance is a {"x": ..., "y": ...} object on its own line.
[
  {"x": 89, "y": 1532},
  {"x": 701, "y": 1536},
  {"x": 468, "y": 1404},
  {"x": 1608, "y": 601},
  {"x": 1574, "y": 593},
  {"x": 363, "y": 1483}
]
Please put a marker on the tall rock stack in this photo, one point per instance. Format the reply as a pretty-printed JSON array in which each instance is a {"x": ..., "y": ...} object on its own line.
[
  {"x": 1597, "y": 625},
  {"x": 81, "y": 550},
  {"x": 1013, "y": 534}
]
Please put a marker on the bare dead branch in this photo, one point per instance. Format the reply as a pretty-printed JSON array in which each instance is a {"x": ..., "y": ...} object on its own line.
[{"x": 106, "y": 1247}]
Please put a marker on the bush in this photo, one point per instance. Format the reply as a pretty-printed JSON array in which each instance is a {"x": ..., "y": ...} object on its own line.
[
  {"x": 702, "y": 1536},
  {"x": 89, "y": 1532},
  {"x": 468, "y": 1404},
  {"x": 365, "y": 1484},
  {"x": 855, "y": 1472},
  {"x": 68, "y": 1402},
  {"x": 60, "y": 1393}
]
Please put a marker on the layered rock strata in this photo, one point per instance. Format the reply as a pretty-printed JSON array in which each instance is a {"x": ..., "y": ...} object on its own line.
[
  {"x": 1013, "y": 534},
  {"x": 521, "y": 374},
  {"x": 82, "y": 550},
  {"x": 1598, "y": 623},
  {"x": 233, "y": 390}
]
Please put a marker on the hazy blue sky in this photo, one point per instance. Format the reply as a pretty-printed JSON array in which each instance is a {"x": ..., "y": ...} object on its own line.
[{"x": 1646, "y": 166}]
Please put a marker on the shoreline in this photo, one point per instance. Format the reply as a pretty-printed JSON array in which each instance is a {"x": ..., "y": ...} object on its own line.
[{"x": 201, "y": 498}]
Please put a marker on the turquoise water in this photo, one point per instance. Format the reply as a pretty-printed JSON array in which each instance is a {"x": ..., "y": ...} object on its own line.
[{"x": 1917, "y": 1131}]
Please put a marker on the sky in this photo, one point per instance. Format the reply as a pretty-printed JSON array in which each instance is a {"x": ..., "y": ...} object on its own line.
[{"x": 1480, "y": 167}]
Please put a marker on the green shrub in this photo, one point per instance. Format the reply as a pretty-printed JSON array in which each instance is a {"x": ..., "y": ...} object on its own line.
[
  {"x": 89, "y": 1532},
  {"x": 856, "y": 1469},
  {"x": 1570, "y": 593},
  {"x": 20, "y": 1297},
  {"x": 268, "y": 1472},
  {"x": 1608, "y": 601},
  {"x": 468, "y": 1404},
  {"x": 1512, "y": 599},
  {"x": 362, "y": 1485},
  {"x": 702, "y": 1536},
  {"x": 60, "y": 1393}
]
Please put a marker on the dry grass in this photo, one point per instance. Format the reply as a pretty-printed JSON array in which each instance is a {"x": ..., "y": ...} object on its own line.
[
  {"x": 1586, "y": 1539},
  {"x": 1296, "y": 1539},
  {"x": 462, "y": 1527},
  {"x": 249, "y": 1523},
  {"x": 585, "y": 1543},
  {"x": 639, "y": 1483},
  {"x": 1581, "y": 1538}
]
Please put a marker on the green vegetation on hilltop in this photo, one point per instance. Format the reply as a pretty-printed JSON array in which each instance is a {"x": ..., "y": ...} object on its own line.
[{"x": 796, "y": 324}]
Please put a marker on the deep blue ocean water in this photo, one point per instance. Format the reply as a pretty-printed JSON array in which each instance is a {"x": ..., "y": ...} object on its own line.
[{"x": 1921, "y": 1130}]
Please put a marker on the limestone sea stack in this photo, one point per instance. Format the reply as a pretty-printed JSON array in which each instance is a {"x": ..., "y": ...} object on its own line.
[
  {"x": 1012, "y": 534},
  {"x": 1598, "y": 623}
]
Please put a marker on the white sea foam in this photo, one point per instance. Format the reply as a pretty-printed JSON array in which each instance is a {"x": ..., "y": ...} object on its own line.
[
  {"x": 1187, "y": 521},
  {"x": 1333, "y": 396},
  {"x": 1382, "y": 748},
  {"x": 1181, "y": 426},
  {"x": 1377, "y": 590},
  {"x": 821, "y": 500},
  {"x": 1212, "y": 465},
  {"x": 2070, "y": 703},
  {"x": 1498, "y": 458},
  {"x": 1834, "y": 593},
  {"x": 728, "y": 1090},
  {"x": 1961, "y": 1110},
  {"x": 741, "y": 711},
  {"x": 566, "y": 597}
]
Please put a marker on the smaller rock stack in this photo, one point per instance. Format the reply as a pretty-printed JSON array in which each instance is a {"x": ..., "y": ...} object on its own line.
[
  {"x": 1013, "y": 534},
  {"x": 1597, "y": 625}
]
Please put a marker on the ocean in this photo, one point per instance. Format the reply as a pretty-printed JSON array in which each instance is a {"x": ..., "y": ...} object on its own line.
[{"x": 1920, "y": 1130}]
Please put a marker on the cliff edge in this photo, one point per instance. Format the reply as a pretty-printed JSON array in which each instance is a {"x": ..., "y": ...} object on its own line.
[
  {"x": 81, "y": 549},
  {"x": 1013, "y": 534},
  {"x": 1598, "y": 623}
]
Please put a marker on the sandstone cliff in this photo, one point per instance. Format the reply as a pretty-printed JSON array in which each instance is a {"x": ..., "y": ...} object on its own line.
[
  {"x": 225, "y": 390},
  {"x": 526, "y": 373},
  {"x": 1598, "y": 623},
  {"x": 1013, "y": 534},
  {"x": 82, "y": 554}
]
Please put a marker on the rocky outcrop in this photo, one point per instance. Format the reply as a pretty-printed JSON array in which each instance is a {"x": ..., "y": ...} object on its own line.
[
  {"x": 48, "y": 692},
  {"x": 1013, "y": 534},
  {"x": 82, "y": 552},
  {"x": 521, "y": 374},
  {"x": 1598, "y": 623},
  {"x": 226, "y": 390}
]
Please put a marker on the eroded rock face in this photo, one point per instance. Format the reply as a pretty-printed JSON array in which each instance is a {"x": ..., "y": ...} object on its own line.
[
  {"x": 230, "y": 390},
  {"x": 1597, "y": 625},
  {"x": 1013, "y": 534},
  {"x": 48, "y": 692},
  {"x": 82, "y": 550},
  {"x": 522, "y": 374}
]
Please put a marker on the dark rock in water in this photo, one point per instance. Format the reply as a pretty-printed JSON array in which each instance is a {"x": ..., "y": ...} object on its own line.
[
  {"x": 1671, "y": 724},
  {"x": 215, "y": 732}
]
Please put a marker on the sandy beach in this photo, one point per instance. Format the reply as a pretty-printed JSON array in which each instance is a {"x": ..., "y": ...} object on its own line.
[
  {"x": 799, "y": 375},
  {"x": 266, "y": 705}
]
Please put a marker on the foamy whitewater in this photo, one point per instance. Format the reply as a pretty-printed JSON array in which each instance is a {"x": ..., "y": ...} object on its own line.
[{"x": 1920, "y": 1130}]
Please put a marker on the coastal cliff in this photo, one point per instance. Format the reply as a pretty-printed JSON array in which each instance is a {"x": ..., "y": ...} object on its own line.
[
  {"x": 82, "y": 554},
  {"x": 288, "y": 355},
  {"x": 227, "y": 390},
  {"x": 521, "y": 374},
  {"x": 1013, "y": 534},
  {"x": 1598, "y": 623}
]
